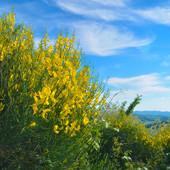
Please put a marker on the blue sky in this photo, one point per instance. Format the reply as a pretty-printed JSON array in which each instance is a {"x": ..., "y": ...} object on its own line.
[{"x": 127, "y": 41}]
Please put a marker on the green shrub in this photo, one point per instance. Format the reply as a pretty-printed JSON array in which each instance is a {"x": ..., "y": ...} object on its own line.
[
  {"x": 127, "y": 136},
  {"x": 49, "y": 100}
]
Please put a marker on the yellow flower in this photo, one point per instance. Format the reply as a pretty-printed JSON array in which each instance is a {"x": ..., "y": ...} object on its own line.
[
  {"x": 1, "y": 106},
  {"x": 2, "y": 56},
  {"x": 32, "y": 124},
  {"x": 55, "y": 129},
  {"x": 46, "y": 101},
  {"x": 162, "y": 129},
  {"x": 77, "y": 128},
  {"x": 52, "y": 97},
  {"x": 35, "y": 94},
  {"x": 50, "y": 48},
  {"x": 67, "y": 122},
  {"x": 44, "y": 113},
  {"x": 95, "y": 113},
  {"x": 66, "y": 130},
  {"x": 95, "y": 121},
  {"x": 46, "y": 151},
  {"x": 46, "y": 91},
  {"x": 11, "y": 76},
  {"x": 73, "y": 134},
  {"x": 35, "y": 108},
  {"x": 54, "y": 74},
  {"x": 85, "y": 120}
]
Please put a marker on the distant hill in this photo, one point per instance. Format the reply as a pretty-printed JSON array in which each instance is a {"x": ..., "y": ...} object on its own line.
[
  {"x": 149, "y": 117},
  {"x": 157, "y": 124},
  {"x": 152, "y": 113}
]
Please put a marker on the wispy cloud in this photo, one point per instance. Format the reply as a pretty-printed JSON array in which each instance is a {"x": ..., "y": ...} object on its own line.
[
  {"x": 97, "y": 37},
  {"x": 109, "y": 10},
  {"x": 154, "y": 101},
  {"x": 105, "y": 40},
  {"x": 139, "y": 81},
  {"x": 152, "y": 87},
  {"x": 106, "y": 10},
  {"x": 160, "y": 15},
  {"x": 119, "y": 3},
  {"x": 102, "y": 37}
]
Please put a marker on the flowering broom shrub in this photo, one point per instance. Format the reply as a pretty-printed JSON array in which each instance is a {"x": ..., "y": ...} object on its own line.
[
  {"x": 161, "y": 144},
  {"x": 129, "y": 144},
  {"x": 49, "y": 100}
]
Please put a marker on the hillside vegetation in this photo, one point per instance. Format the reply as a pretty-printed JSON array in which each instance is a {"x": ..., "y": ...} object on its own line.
[{"x": 54, "y": 115}]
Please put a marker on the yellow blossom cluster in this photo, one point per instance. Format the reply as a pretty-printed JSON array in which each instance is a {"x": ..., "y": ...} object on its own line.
[
  {"x": 67, "y": 86},
  {"x": 164, "y": 136},
  {"x": 161, "y": 139},
  {"x": 124, "y": 122},
  {"x": 155, "y": 141},
  {"x": 54, "y": 78}
]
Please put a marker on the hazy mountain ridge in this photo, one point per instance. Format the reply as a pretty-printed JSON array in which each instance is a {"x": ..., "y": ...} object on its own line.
[
  {"x": 149, "y": 117},
  {"x": 162, "y": 113}
]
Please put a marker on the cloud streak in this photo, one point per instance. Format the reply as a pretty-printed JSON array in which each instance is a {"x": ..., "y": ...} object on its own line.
[
  {"x": 153, "y": 88},
  {"x": 138, "y": 82},
  {"x": 105, "y": 40},
  {"x": 160, "y": 15},
  {"x": 106, "y": 10},
  {"x": 119, "y": 3},
  {"x": 102, "y": 38}
]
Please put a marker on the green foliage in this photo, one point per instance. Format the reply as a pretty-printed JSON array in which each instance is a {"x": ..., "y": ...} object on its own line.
[
  {"x": 145, "y": 147},
  {"x": 133, "y": 105}
]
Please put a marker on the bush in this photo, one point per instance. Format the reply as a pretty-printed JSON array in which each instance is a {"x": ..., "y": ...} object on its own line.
[
  {"x": 127, "y": 136},
  {"x": 49, "y": 100}
]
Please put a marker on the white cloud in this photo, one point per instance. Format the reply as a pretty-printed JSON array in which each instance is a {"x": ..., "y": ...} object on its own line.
[
  {"x": 111, "y": 2},
  {"x": 152, "y": 99},
  {"x": 106, "y": 40},
  {"x": 139, "y": 81},
  {"x": 100, "y": 38},
  {"x": 156, "y": 89},
  {"x": 153, "y": 88},
  {"x": 154, "y": 103},
  {"x": 99, "y": 13},
  {"x": 157, "y": 103},
  {"x": 106, "y": 10},
  {"x": 160, "y": 15},
  {"x": 96, "y": 38}
]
